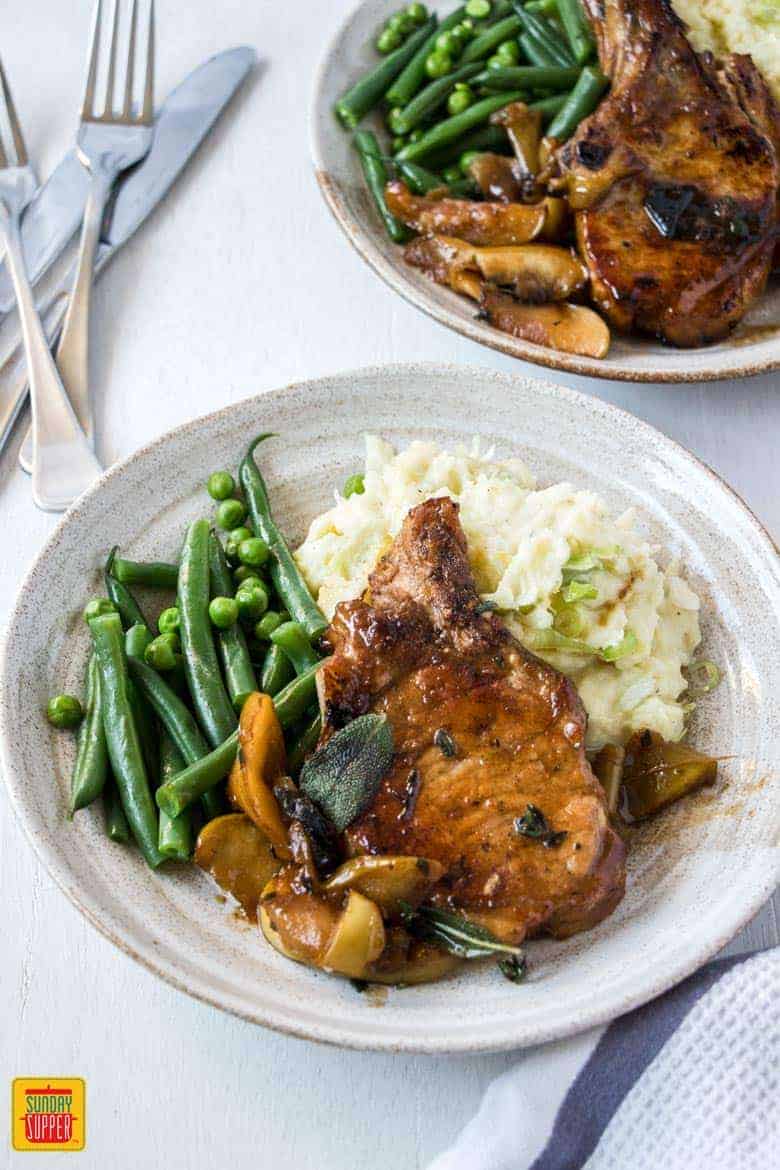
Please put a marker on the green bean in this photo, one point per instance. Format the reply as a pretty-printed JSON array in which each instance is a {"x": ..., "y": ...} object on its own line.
[
  {"x": 372, "y": 87},
  {"x": 117, "y": 827},
  {"x": 540, "y": 28},
  {"x": 376, "y": 176},
  {"x": 536, "y": 52},
  {"x": 546, "y": 7},
  {"x": 431, "y": 97},
  {"x": 483, "y": 45},
  {"x": 137, "y": 638},
  {"x": 209, "y": 697},
  {"x": 175, "y": 716},
  {"x": 236, "y": 663},
  {"x": 529, "y": 77},
  {"x": 419, "y": 180},
  {"x": 177, "y": 720},
  {"x": 178, "y": 793},
  {"x": 304, "y": 744},
  {"x": 582, "y": 101},
  {"x": 292, "y": 639},
  {"x": 156, "y": 574},
  {"x": 550, "y": 106},
  {"x": 91, "y": 767},
  {"x": 491, "y": 138},
  {"x": 277, "y": 671},
  {"x": 122, "y": 737},
  {"x": 413, "y": 75},
  {"x": 451, "y": 128},
  {"x": 126, "y": 604},
  {"x": 577, "y": 28},
  {"x": 176, "y": 834},
  {"x": 285, "y": 574}
]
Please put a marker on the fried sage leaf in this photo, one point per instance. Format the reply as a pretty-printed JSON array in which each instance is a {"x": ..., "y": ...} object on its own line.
[
  {"x": 533, "y": 824},
  {"x": 343, "y": 776},
  {"x": 457, "y": 935}
]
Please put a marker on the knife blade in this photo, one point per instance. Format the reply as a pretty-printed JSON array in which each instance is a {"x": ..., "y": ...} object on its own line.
[{"x": 184, "y": 120}]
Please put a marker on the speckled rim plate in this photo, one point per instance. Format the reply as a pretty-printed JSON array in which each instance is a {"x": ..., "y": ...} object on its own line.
[
  {"x": 696, "y": 875},
  {"x": 754, "y": 347}
]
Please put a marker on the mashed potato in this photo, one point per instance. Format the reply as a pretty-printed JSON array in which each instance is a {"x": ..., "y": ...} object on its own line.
[
  {"x": 575, "y": 585},
  {"x": 737, "y": 26}
]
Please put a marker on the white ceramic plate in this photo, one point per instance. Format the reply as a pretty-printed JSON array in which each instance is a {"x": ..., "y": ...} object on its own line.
[
  {"x": 754, "y": 347},
  {"x": 695, "y": 875}
]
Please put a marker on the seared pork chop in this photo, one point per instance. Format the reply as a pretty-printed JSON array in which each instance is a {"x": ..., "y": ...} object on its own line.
[
  {"x": 482, "y": 729},
  {"x": 672, "y": 181}
]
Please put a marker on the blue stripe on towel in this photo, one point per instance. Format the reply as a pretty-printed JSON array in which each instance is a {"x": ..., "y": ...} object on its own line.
[{"x": 621, "y": 1056}]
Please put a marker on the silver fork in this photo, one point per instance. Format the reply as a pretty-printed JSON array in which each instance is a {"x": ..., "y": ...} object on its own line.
[
  {"x": 64, "y": 464},
  {"x": 107, "y": 143}
]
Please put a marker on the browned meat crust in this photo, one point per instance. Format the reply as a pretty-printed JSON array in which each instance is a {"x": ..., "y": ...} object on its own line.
[
  {"x": 416, "y": 648},
  {"x": 674, "y": 183}
]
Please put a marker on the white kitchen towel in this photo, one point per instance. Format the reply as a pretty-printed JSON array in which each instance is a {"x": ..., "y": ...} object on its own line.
[{"x": 690, "y": 1081}]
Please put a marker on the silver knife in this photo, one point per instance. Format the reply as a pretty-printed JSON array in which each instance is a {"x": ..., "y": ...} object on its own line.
[{"x": 184, "y": 120}]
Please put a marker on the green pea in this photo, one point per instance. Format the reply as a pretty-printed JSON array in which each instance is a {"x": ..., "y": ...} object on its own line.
[
  {"x": 252, "y": 600},
  {"x": 223, "y": 612},
  {"x": 460, "y": 99},
  {"x": 268, "y": 623},
  {"x": 399, "y": 23},
  {"x": 438, "y": 64},
  {"x": 478, "y": 9},
  {"x": 398, "y": 143},
  {"x": 220, "y": 485},
  {"x": 448, "y": 44},
  {"x": 451, "y": 175},
  {"x": 466, "y": 159},
  {"x": 64, "y": 711},
  {"x": 160, "y": 655},
  {"x": 495, "y": 62},
  {"x": 98, "y": 606},
  {"x": 509, "y": 52},
  {"x": 234, "y": 541},
  {"x": 388, "y": 41},
  {"x": 230, "y": 514},
  {"x": 464, "y": 32},
  {"x": 246, "y": 573},
  {"x": 253, "y": 551},
  {"x": 417, "y": 13},
  {"x": 416, "y": 134},
  {"x": 169, "y": 620},
  {"x": 172, "y": 639},
  {"x": 354, "y": 485}
]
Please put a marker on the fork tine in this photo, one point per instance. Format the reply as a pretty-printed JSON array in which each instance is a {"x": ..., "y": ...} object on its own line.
[
  {"x": 88, "y": 103},
  {"x": 127, "y": 108},
  {"x": 13, "y": 121},
  {"x": 109, "y": 107},
  {"x": 147, "y": 110}
]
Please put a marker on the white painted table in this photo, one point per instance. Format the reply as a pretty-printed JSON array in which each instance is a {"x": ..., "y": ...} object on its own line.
[{"x": 239, "y": 283}]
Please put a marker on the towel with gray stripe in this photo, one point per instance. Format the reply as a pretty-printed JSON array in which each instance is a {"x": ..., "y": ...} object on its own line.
[{"x": 687, "y": 1082}]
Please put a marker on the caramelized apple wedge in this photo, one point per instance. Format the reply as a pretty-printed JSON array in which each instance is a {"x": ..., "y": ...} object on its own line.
[
  {"x": 390, "y": 882},
  {"x": 536, "y": 273},
  {"x": 475, "y": 222},
  {"x": 261, "y": 762},
  {"x": 657, "y": 773},
  {"x": 239, "y": 857},
  {"x": 567, "y": 328}
]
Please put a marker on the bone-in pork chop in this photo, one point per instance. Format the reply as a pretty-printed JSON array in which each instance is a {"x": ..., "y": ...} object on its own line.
[
  {"x": 672, "y": 181},
  {"x": 482, "y": 729}
]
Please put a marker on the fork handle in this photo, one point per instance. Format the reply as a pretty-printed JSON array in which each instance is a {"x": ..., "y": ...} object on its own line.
[
  {"x": 73, "y": 349},
  {"x": 64, "y": 465}
]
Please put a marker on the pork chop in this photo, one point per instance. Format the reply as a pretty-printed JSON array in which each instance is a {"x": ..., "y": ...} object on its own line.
[
  {"x": 673, "y": 183},
  {"x": 482, "y": 729}
]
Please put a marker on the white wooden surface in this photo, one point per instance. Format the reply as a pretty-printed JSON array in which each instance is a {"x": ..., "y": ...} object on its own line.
[{"x": 239, "y": 283}]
